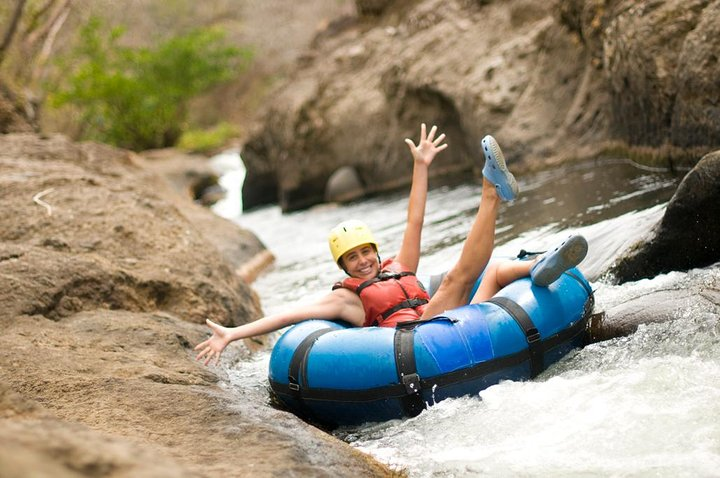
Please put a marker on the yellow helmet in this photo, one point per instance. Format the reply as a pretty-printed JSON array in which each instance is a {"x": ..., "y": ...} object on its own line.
[{"x": 348, "y": 235}]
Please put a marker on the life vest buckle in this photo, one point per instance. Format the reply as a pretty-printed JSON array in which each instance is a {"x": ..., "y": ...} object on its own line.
[{"x": 389, "y": 275}]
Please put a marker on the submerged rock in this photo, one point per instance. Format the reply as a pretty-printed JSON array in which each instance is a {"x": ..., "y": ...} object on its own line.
[{"x": 657, "y": 306}]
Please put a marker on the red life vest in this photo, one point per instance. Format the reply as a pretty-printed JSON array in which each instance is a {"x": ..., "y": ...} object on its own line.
[{"x": 394, "y": 296}]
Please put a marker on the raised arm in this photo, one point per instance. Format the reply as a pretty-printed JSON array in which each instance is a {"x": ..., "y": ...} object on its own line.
[
  {"x": 339, "y": 304},
  {"x": 423, "y": 154}
]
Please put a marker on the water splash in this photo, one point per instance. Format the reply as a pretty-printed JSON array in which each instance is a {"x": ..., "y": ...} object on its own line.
[
  {"x": 637, "y": 406},
  {"x": 644, "y": 405}
]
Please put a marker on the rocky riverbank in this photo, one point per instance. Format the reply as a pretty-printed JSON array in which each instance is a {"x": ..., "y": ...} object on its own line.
[
  {"x": 553, "y": 81},
  {"x": 107, "y": 271},
  {"x": 107, "y": 274}
]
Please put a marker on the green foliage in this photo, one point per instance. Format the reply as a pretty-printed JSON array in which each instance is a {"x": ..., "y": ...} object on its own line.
[
  {"x": 137, "y": 98},
  {"x": 209, "y": 140}
]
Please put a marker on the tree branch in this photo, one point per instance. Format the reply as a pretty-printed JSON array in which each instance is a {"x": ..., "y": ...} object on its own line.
[
  {"x": 42, "y": 32},
  {"x": 46, "y": 50},
  {"x": 12, "y": 28},
  {"x": 35, "y": 18}
]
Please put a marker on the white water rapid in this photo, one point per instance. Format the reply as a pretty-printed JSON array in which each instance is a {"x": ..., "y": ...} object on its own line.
[{"x": 643, "y": 405}]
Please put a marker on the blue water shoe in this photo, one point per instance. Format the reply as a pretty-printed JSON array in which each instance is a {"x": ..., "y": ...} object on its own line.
[
  {"x": 553, "y": 263},
  {"x": 496, "y": 171}
]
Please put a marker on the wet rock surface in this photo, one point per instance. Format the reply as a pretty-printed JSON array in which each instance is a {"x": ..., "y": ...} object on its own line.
[
  {"x": 658, "y": 306},
  {"x": 106, "y": 274},
  {"x": 688, "y": 236}
]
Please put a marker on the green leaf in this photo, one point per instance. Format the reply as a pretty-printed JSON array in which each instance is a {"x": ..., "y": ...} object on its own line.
[{"x": 137, "y": 97}]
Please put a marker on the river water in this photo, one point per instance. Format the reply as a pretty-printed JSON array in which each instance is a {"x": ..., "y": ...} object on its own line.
[{"x": 644, "y": 405}]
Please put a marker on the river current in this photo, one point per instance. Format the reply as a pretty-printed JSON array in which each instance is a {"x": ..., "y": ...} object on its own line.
[{"x": 643, "y": 405}]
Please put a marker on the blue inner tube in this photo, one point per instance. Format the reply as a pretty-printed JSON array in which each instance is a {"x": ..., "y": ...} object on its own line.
[{"x": 334, "y": 374}]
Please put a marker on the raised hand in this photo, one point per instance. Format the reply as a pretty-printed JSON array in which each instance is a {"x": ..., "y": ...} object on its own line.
[
  {"x": 212, "y": 348},
  {"x": 424, "y": 152}
]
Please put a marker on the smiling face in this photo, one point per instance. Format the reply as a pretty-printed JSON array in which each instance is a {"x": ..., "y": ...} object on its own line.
[{"x": 361, "y": 262}]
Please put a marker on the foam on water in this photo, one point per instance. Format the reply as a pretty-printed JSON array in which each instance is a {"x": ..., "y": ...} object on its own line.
[{"x": 643, "y": 405}]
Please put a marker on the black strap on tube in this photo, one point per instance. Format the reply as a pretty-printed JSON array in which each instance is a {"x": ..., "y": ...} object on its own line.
[
  {"x": 404, "y": 343},
  {"x": 532, "y": 335},
  {"x": 297, "y": 381}
]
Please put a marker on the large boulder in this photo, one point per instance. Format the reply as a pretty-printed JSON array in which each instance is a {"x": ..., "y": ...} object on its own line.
[
  {"x": 661, "y": 61},
  {"x": 35, "y": 443},
  {"x": 105, "y": 276},
  {"x": 189, "y": 175},
  {"x": 688, "y": 236},
  {"x": 370, "y": 85},
  {"x": 552, "y": 81},
  {"x": 119, "y": 392},
  {"x": 86, "y": 227}
]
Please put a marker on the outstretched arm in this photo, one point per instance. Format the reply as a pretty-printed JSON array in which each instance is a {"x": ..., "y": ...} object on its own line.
[
  {"x": 339, "y": 304},
  {"x": 423, "y": 154}
]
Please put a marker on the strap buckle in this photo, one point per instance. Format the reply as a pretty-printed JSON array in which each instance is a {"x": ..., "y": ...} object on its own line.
[
  {"x": 533, "y": 335},
  {"x": 412, "y": 383},
  {"x": 416, "y": 302},
  {"x": 388, "y": 275}
]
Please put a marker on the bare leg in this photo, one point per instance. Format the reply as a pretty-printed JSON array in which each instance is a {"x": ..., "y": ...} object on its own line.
[
  {"x": 500, "y": 274},
  {"x": 457, "y": 284}
]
